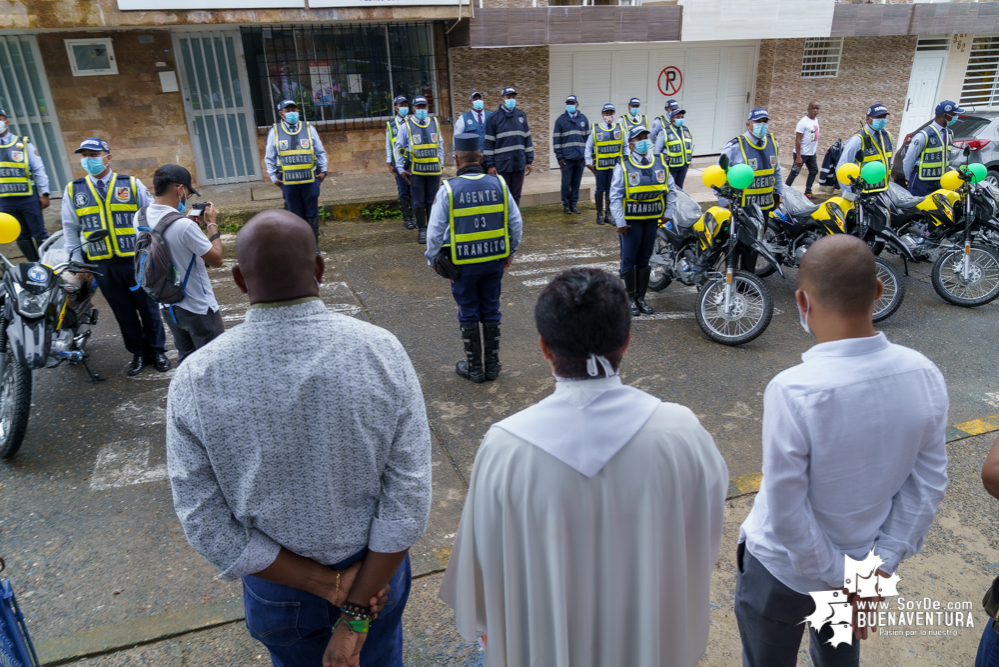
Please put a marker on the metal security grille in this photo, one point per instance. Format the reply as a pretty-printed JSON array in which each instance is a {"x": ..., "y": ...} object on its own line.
[
  {"x": 981, "y": 78},
  {"x": 25, "y": 96},
  {"x": 342, "y": 73},
  {"x": 821, "y": 57}
]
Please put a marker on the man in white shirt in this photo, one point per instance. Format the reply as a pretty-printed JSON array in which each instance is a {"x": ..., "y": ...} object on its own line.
[
  {"x": 195, "y": 320},
  {"x": 594, "y": 518},
  {"x": 806, "y": 143},
  {"x": 854, "y": 459}
]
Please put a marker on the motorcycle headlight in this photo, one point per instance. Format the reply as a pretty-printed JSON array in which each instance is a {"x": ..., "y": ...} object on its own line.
[{"x": 31, "y": 305}]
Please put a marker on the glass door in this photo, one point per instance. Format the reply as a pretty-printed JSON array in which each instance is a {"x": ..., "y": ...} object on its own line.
[{"x": 213, "y": 77}]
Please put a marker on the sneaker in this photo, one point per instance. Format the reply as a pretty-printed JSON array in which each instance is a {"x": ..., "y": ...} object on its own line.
[
  {"x": 575, "y": 209},
  {"x": 811, "y": 197},
  {"x": 565, "y": 209}
]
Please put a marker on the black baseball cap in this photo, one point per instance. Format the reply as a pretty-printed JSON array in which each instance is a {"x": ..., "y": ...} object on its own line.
[{"x": 174, "y": 173}]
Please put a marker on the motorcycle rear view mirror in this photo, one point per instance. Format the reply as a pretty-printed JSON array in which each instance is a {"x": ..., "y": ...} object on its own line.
[
  {"x": 723, "y": 162},
  {"x": 967, "y": 151},
  {"x": 858, "y": 156},
  {"x": 99, "y": 235}
]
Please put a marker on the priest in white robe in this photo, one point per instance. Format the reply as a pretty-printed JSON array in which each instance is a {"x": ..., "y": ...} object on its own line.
[{"x": 593, "y": 518}]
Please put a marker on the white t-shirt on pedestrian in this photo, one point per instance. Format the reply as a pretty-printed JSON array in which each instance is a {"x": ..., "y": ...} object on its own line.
[
  {"x": 184, "y": 240},
  {"x": 809, "y": 129}
]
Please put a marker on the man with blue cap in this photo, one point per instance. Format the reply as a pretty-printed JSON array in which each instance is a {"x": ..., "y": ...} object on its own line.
[
  {"x": 634, "y": 117},
  {"x": 605, "y": 148},
  {"x": 928, "y": 154},
  {"x": 420, "y": 148},
  {"x": 569, "y": 142},
  {"x": 474, "y": 120},
  {"x": 758, "y": 148},
  {"x": 475, "y": 227},
  {"x": 24, "y": 191},
  {"x": 296, "y": 163},
  {"x": 874, "y": 141},
  {"x": 107, "y": 200},
  {"x": 675, "y": 142},
  {"x": 642, "y": 193},
  {"x": 392, "y": 129},
  {"x": 660, "y": 122},
  {"x": 508, "y": 150}
]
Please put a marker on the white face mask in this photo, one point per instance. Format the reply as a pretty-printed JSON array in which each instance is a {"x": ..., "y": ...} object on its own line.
[
  {"x": 3, "y": 127},
  {"x": 803, "y": 316}
]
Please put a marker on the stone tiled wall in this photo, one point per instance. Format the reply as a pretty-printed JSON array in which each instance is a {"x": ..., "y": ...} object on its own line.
[
  {"x": 144, "y": 126},
  {"x": 844, "y": 99},
  {"x": 489, "y": 70}
]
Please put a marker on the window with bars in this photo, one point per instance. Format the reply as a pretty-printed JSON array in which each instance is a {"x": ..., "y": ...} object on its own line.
[
  {"x": 341, "y": 73},
  {"x": 981, "y": 78},
  {"x": 821, "y": 57},
  {"x": 933, "y": 44}
]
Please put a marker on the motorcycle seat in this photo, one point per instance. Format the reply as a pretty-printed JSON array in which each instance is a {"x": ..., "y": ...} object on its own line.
[{"x": 797, "y": 205}]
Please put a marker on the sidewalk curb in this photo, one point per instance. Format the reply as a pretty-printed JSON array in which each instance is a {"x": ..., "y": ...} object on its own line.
[{"x": 111, "y": 638}]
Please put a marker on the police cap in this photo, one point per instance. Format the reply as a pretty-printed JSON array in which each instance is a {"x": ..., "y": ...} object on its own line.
[
  {"x": 949, "y": 107},
  {"x": 635, "y": 132},
  {"x": 418, "y": 100},
  {"x": 671, "y": 104},
  {"x": 475, "y": 94},
  {"x": 3, "y": 113},
  {"x": 508, "y": 91},
  {"x": 634, "y": 102},
  {"x": 759, "y": 113},
  {"x": 572, "y": 99},
  {"x": 286, "y": 103},
  {"x": 876, "y": 110},
  {"x": 400, "y": 100},
  {"x": 466, "y": 141},
  {"x": 93, "y": 144},
  {"x": 608, "y": 107}
]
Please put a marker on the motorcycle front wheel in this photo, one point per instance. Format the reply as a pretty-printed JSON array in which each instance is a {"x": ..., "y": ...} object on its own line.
[
  {"x": 749, "y": 314},
  {"x": 981, "y": 284},
  {"x": 15, "y": 405},
  {"x": 894, "y": 290}
]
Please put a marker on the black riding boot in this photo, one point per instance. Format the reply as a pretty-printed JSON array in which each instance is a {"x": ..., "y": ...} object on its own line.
[
  {"x": 471, "y": 367},
  {"x": 28, "y": 249},
  {"x": 490, "y": 339},
  {"x": 600, "y": 207},
  {"x": 314, "y": 223},
  {"x": 608, "y": 218},
  {"x": 629, "y": 279},
  {"x": 641, "y": 287},
  {"x": 421, "y": 223},
  {"x": 406, "y": 206}
]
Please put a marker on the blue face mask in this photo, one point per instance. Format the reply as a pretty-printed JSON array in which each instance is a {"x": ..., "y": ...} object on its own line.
[
  {"x": 634, "y": 110},
  {"x": 478, "y": 104},
  {"x": 403, "y": 111},
  {"x": 420, "y": 114},
  {"x": 642, "y": 147},
  {"x": 952, "y": 121},
  {"x": 92, "y": 165},
  {"x": 678, "y": 122},
  {"x": 803, "y": 316},
  {"x": 510, "y": 103},
  {"x": 760, "y": 130},
  {"x": 879, "y": 124},
  {"x": 182, "y": 206},
  {"x": 571, "y": 108},
  {"x": 291, "y": 117}
]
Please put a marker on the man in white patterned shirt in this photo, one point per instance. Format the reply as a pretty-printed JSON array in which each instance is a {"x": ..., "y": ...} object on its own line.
[{"x": 297, "y": 447}]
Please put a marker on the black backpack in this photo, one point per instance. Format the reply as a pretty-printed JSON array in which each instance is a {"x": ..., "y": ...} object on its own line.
[{"x": 154, "y": 270}]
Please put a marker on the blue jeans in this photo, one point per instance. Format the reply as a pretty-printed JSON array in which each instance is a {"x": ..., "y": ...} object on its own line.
[
  {"x": 637, "y": 245},
  {"x": 572, "y": 174},
  {"x": 303, "y": 200},
  {"x": 988, "y": 649},
  {"x": 296, "y": 626},
  {"x": 477, "y": 292}
]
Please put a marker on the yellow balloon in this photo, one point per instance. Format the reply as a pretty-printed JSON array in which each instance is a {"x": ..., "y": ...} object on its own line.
[
  {"x": 951, "y": 180},
  {"x": 10, "y": 228},
  {"x": 846, "y": 172},
  {"x": 714, "y": 176}
]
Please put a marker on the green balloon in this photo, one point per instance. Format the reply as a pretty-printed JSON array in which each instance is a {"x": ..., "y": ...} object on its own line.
[
  {"x": 978, "y": 172},
  {"x": 873, "y": 172},
  {"x": 740, "y": 176}
]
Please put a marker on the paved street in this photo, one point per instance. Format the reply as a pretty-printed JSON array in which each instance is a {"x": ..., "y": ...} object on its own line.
[{"x": 91, "y": 540}]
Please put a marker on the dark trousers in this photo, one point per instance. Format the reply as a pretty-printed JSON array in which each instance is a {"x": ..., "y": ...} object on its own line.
[
  {"x": 477, "y": 292},
  {"x": 138, "y": 316},
  {"x": 679, "y": 174},
  {"x": 572, "y": 174},
  {"x": 424, "y": 189},
  {"x": 296, "y": 626},
  {"x": 637, "y": 245},
  {"x": 403, "y": 187},
  {"x": 28, "y": 211},
  {"x": 988, "y": 648},
  {"x": 921, "y": 188},
  {"x": 813, "y": 171},
  {"x": 604, "y": 178},
  {"x": 303, "y": 200},
  {"x": 770, "y": 619},
  {"x": 192, "y": 331},
  {"x": 515, "y": 182}
]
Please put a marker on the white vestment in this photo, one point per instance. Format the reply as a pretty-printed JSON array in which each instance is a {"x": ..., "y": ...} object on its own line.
[{"x": 587, "y": 549}]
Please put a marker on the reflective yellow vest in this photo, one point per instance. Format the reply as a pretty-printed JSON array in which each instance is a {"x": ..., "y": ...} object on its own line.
[
  {"x": 393, "y": 127},
  {"x": 877, "y": 146},
  {"x": 645, "y": 188},
  {"x": 763, "y": 160},
  {"x": 608, "y": 146},
  {"x": 115, "y": 214},
  {"x": 479, "y": 218},
  {"x": 933, "y": 159},
  {"x": 628, "y": 121},
  {"x": 423, "y": 149},
  {"x": 678, "y": 145},
  {"x": 15, "y": 176},
  {"x": 296, "y": 154}
]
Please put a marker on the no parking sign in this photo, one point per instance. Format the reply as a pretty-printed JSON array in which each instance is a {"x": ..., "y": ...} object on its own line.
[{"x": 670, "y": 80}]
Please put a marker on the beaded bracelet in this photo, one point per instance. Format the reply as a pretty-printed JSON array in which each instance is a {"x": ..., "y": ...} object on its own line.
[
  {"x": 361, "y": 626},
  {"x": 356, "y": 611}
]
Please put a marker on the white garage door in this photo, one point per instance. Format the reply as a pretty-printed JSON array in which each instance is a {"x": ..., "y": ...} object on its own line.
[{"x": 716, "y": 83}]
